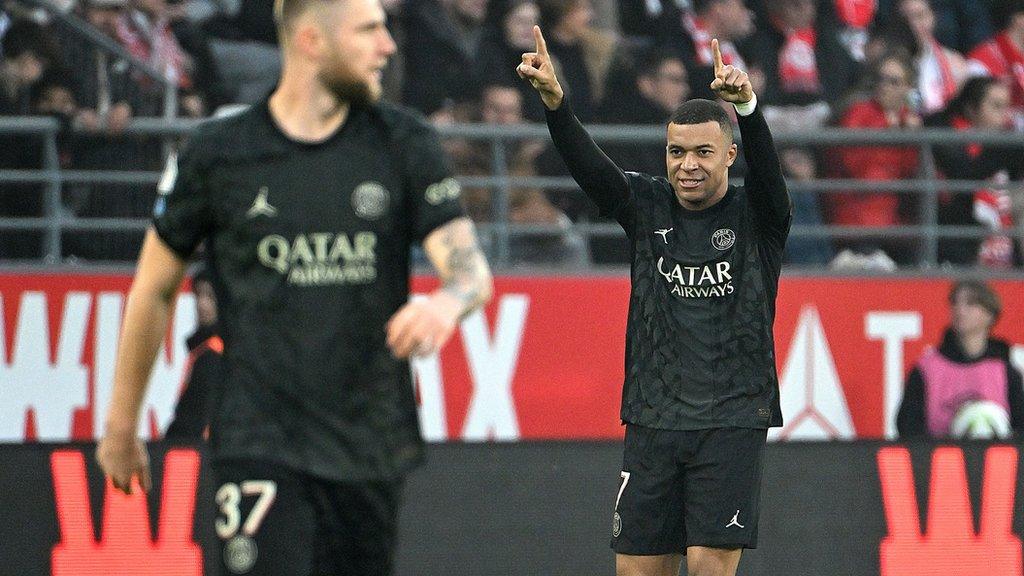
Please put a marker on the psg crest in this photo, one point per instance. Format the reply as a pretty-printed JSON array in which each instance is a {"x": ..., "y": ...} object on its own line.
[
  {"x": 370, "y": 200},
  {"x": 240, "y": 554},
  {"x": 723, "y": 239}
]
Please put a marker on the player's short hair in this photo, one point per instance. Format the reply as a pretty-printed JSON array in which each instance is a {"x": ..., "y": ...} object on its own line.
[
  {"x": 286, "y": 11},
  {"x": 699, "y": 111}
]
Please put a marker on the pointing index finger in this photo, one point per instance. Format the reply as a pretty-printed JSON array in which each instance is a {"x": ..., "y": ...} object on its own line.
[
  {"x": 718, "y": 55},
  {"x": 542, "y": 46}
]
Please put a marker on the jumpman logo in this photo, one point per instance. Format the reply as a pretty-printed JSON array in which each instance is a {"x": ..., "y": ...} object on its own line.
[
  {"x": 735, "y": 521},
  {"x": 664, "y": 233},
  {"x": 260, "y": 206}
]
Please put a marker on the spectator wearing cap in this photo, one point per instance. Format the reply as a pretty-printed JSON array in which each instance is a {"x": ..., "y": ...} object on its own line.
[{"x": 969, "y": 367}]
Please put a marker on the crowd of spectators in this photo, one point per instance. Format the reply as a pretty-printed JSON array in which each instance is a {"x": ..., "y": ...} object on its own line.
[{"x": 893, "y": 65}]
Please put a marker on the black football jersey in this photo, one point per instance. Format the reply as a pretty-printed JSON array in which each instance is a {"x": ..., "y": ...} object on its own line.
[
  {"x": 309, "y": 249},
  {"x": 699, "y": 340}
]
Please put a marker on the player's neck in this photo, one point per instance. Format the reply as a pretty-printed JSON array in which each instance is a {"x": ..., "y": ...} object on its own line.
[{"x": 305, "y": 111}]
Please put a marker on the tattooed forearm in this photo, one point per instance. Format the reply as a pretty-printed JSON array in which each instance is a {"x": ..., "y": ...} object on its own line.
[{"x": 461, "y": 264}]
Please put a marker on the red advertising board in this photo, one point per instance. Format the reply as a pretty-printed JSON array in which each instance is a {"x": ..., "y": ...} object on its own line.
[{"x": 543, "y": 361}]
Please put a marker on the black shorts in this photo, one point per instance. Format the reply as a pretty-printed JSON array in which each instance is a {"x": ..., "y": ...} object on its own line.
[
  {"x": 683, "y": 488},
  {"x": 275, "y": 521}
]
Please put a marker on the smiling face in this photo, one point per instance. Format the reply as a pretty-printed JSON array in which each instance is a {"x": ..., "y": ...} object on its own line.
[{"x": 698, "y": 157}]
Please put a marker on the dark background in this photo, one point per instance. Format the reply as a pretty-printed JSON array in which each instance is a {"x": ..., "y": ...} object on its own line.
[{"x": 539, "y": 508}]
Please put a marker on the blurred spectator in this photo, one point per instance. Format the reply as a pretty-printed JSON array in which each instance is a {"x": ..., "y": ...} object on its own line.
[
  {"x": 29, "y": 50},
  {"x": 659, "y": 86},
  {"x": 29, "y": 54},
  {"x": 501, "y": 105},
  {"x": 940, "y": 70},
  {"x": 108, "y": 97},
  {"x": 639, "y": 20},
  {"x": 970, "y": 366},
  {"x": 503, "y": 49},
  {"x": 690, "y": 33},
  {"x": 959, "y": 24},
  {"x": 799, "y": 165},
  {"x": 1003, "y": 56},
  {"x": 854, "y": 18},
  {"x": 886, "y": 109},
  {"x": 247, "y": 68},
  {"x": 204, "y": 372},
  {"x": 144, "y": 29},
  {"x": 806, "y": 69},
  {"x": 196, "y": 43},
  {"x": 983, "y": 104},
  {"x": 584, "y": 55},
  {"x": 105, "y": 89},
  {"x": 443, "y": 41}
]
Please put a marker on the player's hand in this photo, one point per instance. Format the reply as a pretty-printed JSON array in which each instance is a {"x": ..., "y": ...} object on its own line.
[
  {"x": 730, "y": 84},
  {"x": 536, "y": 67},
  {"x": 122, "y": 456},
  {"x": 422, "y": 327}
]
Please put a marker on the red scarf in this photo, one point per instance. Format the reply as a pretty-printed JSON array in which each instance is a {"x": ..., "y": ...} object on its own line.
[
  {"x": 937, "y": 96},
  {"x": 856, "y": 13},
  {"x": 156, "y": 46},
  {"x": 702, "y": 44},
  {"x": 798, "y": 65}
]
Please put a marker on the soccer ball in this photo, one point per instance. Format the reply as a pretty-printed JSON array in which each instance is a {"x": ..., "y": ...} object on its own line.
[{"x": 980, "y": 420}]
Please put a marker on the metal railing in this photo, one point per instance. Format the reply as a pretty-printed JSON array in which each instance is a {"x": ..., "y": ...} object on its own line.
[
  {"x": 99, "y": 41},
  {"x": 928, "y": 185}
]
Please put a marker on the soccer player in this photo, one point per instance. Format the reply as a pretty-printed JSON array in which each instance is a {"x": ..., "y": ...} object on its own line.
[
  {"x": 308, "y": 204},
  {"x": 701, "y": 388}
]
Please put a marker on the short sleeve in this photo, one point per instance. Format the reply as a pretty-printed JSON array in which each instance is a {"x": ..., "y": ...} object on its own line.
[
  {"x": 182, "y": 213},
  {"x": 435, "y": 193}
]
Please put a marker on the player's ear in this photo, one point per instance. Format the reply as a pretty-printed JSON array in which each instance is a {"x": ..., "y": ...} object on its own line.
[
  {"x": 731, "y": 154},
  {"x": 308, "y": 38}
]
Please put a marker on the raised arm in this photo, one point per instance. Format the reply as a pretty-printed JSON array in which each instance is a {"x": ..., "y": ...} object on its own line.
[
  {"x": 150, "y": 301},
  {"x": 422, "y": 327},
  {"x": 597, "y": 175},
  {"x": 764, "y": 181}
]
